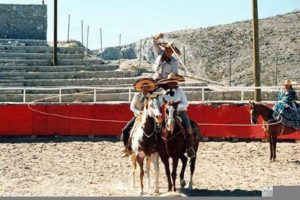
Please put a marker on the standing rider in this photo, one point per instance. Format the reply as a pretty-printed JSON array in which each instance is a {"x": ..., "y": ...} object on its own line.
[
  {"x": 165, "y": 63},
  {"x": 144, "y": 86},
  {"x": 176, "y": 94}
]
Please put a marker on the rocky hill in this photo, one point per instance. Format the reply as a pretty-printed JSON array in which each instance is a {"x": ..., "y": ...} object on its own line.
[{"x": 208, "y": 50}]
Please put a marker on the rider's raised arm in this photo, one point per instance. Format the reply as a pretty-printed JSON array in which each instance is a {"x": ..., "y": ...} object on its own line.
[{"x": 156, "y": 47}]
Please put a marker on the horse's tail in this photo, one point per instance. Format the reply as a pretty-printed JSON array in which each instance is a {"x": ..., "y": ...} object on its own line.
[{"x": 196, "y": 131}]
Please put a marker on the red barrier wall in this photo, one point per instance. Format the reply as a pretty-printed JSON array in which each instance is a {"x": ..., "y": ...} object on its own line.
[{"x": 19, "y": 120}]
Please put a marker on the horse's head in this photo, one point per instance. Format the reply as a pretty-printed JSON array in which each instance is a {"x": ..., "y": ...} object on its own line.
[
  {"x": 171, "y": 113},
  {"x": 253, "y": 112},
  {"x": 152, "y": 108}
]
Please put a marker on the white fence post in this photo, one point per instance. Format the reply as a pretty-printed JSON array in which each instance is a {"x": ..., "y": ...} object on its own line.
[
  {"x": 203, "y": 95},
  {"x": 242, "y": 95},
  {"x": 129, "y": 97},
  {"x": 59, "y": 96},
  {"x": 95, "y": 95},
  {"x": 24, "y": 95}
]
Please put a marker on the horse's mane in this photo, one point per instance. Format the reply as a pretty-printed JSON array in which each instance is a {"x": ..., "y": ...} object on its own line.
[{"x": 259, "y": 104}]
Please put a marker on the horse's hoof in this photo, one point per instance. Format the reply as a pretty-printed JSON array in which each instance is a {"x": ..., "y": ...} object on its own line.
[
  {"x": 190, "y": 187},
  {"x": 182, "y": 183},
  {"x": 156, "y": 191}
]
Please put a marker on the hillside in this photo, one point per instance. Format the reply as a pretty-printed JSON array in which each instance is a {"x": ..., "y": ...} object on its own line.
[{"x": 208, "y": 50}]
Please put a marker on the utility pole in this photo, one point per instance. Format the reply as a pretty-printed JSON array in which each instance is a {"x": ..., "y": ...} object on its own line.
[
  {"x": 55, "y": 35},
  {"x": 276, "y": 69},
  {"x": 256, "y": 64},
  {"x": 87, "y": 37},
  {"x": 68, "y": 29},
  {"x": 82, "y": 32},
  {"x": 184, "y": 59},
  {"x": 230, "y": 68},
  {"x": 101, "y": 47}
]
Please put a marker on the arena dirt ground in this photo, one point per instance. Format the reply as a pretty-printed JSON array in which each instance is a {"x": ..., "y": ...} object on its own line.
[{"x": 81, "y": 166}]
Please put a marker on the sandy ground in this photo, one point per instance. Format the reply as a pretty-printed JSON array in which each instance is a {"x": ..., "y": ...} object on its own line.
[{"x": 68, "y": 166}]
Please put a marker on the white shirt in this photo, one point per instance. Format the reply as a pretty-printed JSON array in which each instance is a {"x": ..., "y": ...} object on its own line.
[
  {"x": 179, "y": 96},
  {"x": 163, "y": 68},
  {"x": 137, "y": 103}
]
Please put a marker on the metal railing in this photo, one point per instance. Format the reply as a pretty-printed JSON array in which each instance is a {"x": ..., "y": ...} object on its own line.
[{"x": 207, "y": 94}]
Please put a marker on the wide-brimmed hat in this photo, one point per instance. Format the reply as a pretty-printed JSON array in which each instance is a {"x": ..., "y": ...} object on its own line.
[
  {"x": 171, "y": 45},
  {"x": 289, "y": 82},
  {"x": 138, "y": 85},
  {"x": 172, "y": 77}
]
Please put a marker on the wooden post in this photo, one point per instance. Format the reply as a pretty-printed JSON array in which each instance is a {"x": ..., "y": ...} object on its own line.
[
  {"x": 184, "y": 60},
  {"x": 82, "y": 32},
  {"x": 120, "y": 49},
  {"x": 230, "y": 68},
  {"x": 276, "y": 69},
  {"x": 101, "y": 47},
  {"x": 68, "y": 29},
  {"x": 55, "y": 35},
  {"x": 256, "y": 64},
  {"x": 141, "y": 49},
  {"x": 87, "y": 37}
]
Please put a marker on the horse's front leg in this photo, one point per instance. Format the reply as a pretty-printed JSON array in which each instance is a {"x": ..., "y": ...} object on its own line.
[
  {"x": 271, "y": 147},
  {"x": 133, "y": 161},
  {"x": 165, "y": 160},
  {"x": 192, "y": 169},
  {"x": 154, "y": 159},
  {"x": 141, "y": 164},
  {"x": 174, "y": 171},
  {"x": 274, "y": 148},
  {"x": 183, "y": 159},
  {"x": 148, "y": 170}
]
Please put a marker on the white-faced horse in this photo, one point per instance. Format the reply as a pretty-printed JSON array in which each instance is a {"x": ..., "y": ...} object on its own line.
[{"x": 144, "y": 141}]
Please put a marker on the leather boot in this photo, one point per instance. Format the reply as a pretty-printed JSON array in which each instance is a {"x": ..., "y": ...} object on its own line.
[{"x": 190, "y": 143}]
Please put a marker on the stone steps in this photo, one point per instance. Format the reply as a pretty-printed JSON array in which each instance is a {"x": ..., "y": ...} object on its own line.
[
  {"x": 78, "y": 82},
  {"x": 25, "y": 42},
  {"x": 61, "y": 68},
  {"x": 13, "y": 55},
  {"x": 68, "y": 75},
  {"x": 41, "y": 49},
  {"x": 40, "y": 62}
]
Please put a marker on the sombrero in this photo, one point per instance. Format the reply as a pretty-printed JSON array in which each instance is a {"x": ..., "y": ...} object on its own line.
[
  {"x": 144, "y": 82},
  {"x": 289, "y": 82},
  {"x": 171, "y": 78},
  {"x": 171, "y": 45}
]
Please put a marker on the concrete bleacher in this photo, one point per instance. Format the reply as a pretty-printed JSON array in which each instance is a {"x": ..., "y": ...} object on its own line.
[{"x": 28, "y": 63}]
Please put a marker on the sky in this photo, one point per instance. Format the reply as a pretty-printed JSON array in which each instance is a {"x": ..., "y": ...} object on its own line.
[{"x": 138, "y": 19}]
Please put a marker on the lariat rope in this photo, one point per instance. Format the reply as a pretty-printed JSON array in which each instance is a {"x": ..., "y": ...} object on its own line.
[{"x": 29, "y": 105}]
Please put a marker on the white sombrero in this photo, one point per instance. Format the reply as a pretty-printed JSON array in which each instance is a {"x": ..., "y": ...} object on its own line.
[{"x": 171, "y": 78}]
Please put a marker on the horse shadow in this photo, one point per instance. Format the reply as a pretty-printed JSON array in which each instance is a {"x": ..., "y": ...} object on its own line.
[{"x": 220, "y": 193}]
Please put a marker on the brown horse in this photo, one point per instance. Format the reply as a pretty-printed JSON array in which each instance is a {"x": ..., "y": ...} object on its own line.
[
  {"x": 143, "y": 142},
  {"x": 271, "y": 127},
  {"x": 172, "y": 145}
]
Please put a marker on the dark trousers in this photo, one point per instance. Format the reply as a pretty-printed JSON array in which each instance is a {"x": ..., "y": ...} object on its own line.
[
  {"x": 126, "y": 131},
  {"x": 186, "y": 121}
]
